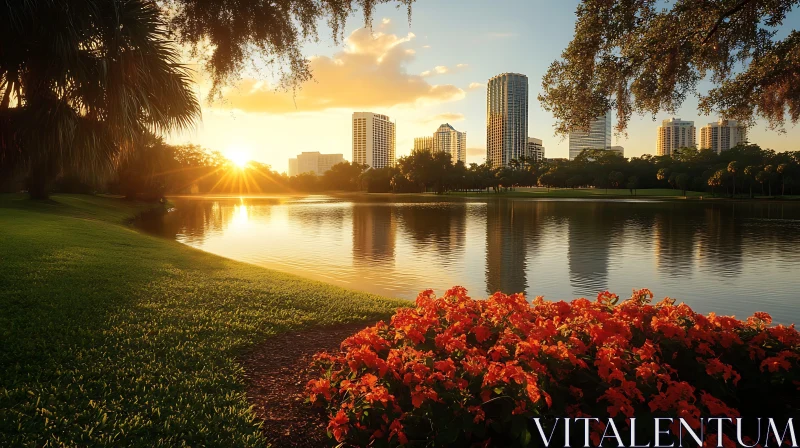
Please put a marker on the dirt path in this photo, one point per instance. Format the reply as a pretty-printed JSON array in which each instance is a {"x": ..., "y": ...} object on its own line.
[{"x": 277, "y": 372}]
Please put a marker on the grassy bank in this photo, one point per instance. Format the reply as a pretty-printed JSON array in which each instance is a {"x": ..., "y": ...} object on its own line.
[{"x": 111, "y": 337}]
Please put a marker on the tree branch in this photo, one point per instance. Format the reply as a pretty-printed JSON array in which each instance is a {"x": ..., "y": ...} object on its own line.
[{"x": 722, "y": 18}]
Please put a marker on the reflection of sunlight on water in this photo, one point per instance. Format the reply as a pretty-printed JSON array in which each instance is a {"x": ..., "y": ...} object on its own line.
[{"x": 240, "y": 217}]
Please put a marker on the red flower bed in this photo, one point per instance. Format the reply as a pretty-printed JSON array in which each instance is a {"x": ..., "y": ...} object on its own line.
[{"x": 454, "y": 370}]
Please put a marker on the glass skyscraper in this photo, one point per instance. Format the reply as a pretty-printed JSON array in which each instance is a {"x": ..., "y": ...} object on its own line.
[
  {"x": 506, "y": 118},
  {"x": 598, "y": 137}
]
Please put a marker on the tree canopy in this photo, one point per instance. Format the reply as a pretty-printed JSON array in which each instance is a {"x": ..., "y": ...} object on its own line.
[
  {"x": 643, "y": 57},
  {"x": 82, "y": 82}
]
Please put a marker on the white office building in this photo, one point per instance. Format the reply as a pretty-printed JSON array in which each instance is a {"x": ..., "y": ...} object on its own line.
[
  {"x": 535, "y": 151},
  {"x": 313, "y": 162},
  {"x": 447, "y": 139},
  {"x": 506, "y": 118},
  {"x": 722, "y": 135},
  {"x": 674, "y": 134},
  {"x": 597, "y": 137},
  {"x": 374, "y": 140}
]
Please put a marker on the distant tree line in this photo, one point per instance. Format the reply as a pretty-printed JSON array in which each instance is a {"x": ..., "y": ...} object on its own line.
[
  {"x": 157, "y": 169},
  {"x": 743, "y": 170}
]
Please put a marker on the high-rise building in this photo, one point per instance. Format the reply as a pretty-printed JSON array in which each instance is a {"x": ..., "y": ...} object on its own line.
[
  {"x": 598, "y": 136},
  {"x": 534, "y": 151},
  {"x": 506, "y": 118},
  {"x": 374, "y": 140},
  {"x": 674, "y": 134},
  {"x": 722, "y": 135},
  {"x": 423, "y": 144},
  {"x": 447, "y": 139},
  {"x": 313, "y": 162}
]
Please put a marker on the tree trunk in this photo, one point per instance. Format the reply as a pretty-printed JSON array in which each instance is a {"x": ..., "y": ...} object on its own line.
[
  {"x": 751, "y": 191},
  {"x": 734, "y": 187},
  {"x": 39, "y": 180}
]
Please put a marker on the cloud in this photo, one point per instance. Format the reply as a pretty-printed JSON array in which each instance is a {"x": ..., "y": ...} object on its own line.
[
  {"x": 447, "y": 117},
  {"x": 475, "y": 85},
  {"x": 476, "y": 152},
  {"x": 369, "y": 73},
  {"x": 443, "y": 69}
]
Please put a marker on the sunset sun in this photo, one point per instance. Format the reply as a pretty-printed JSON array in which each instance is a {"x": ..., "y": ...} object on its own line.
[{"x": 239, "y": 157}]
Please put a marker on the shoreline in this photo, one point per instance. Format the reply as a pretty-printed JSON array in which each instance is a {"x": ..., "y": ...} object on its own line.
[
  {"x": 570, "y": 194},
  {"x": 123, "y": 338}
]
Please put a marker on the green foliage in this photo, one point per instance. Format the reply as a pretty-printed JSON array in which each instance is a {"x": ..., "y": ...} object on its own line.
[
  {"x": 647, "y": 57},
  {"x": 83, "y": 82},
  {"x": 115, "y": 338}
]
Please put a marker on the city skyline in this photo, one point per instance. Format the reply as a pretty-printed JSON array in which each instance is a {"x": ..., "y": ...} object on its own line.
[{"x": 428, "y": 74}]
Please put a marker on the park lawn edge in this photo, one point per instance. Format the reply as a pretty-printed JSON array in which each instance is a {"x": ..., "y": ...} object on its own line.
[{"x": 111, "y": 337}]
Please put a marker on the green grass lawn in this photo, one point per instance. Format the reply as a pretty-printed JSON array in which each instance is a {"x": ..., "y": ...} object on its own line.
[{"x": 109, "y": 337}]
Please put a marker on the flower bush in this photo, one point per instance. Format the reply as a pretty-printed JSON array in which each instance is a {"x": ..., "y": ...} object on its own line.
[{"x": 454, "y": 370}]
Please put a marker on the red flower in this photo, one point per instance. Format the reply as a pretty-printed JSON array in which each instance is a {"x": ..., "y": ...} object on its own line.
[
  {"x": 525, "y": 356},
  {"x": 339, "y": 426},
  {"x": 482, "y": 333}
]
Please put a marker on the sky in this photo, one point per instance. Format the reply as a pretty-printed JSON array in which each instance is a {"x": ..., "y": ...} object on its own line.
[{"x": 430, "y": 71}]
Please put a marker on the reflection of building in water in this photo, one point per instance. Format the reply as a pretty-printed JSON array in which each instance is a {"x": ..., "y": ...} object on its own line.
[
  {"x": 590, "y": 238},
  {"x": 374, "y": 233},
  {"x": 442, "y": 227},
  {"x": 512, "y": 229},
  {"x": 719, "y": 246},
  {"x": 317, "y": 220},
  {"x": 673, "y": 241}
]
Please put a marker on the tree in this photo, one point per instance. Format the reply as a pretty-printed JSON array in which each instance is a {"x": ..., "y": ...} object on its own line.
[
  {"x": 682, "y": 180},
  {"x": 768, "y": 170},
  {"x": 547, "y": 179},
  {"x": 782, "y": 168},
  {"x": 342, "y": 176},
  {"x": 633, "y": 184},
  {"x": 750, "y": 171},
  {"x": 663, "y": 174},
  {"x": 761, "y": 177},
  {"x": 616, "y": 178},
  {"x": 646, "y": 57},
  {"x": 142, "y": 174},
  {"x": 83, "y": 84},
  {"x": 716, "y": 180},
  {"x": 733, "y": 167}
]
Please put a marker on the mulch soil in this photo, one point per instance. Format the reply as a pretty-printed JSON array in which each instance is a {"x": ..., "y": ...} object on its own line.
[{"x": 277, "y": 372}]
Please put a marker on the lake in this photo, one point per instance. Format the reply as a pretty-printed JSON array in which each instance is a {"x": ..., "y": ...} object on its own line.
[{"x": 727, "y": 257}]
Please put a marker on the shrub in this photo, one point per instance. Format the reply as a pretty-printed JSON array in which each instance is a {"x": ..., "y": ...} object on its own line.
[{"x": 460, "y": 371}]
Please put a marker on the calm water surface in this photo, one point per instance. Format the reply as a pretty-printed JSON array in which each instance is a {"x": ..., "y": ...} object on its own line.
[{"x": 731, "y": 258}]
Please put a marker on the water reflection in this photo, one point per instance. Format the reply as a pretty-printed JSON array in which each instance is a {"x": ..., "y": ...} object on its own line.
[
  {"x": 732, "y": 258},
  {"x": 436, "y": 227},
  {"x": 720, "y": 243},
  {"x": 674, "y": 241},
  {"x": 374, "y": 234}
]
